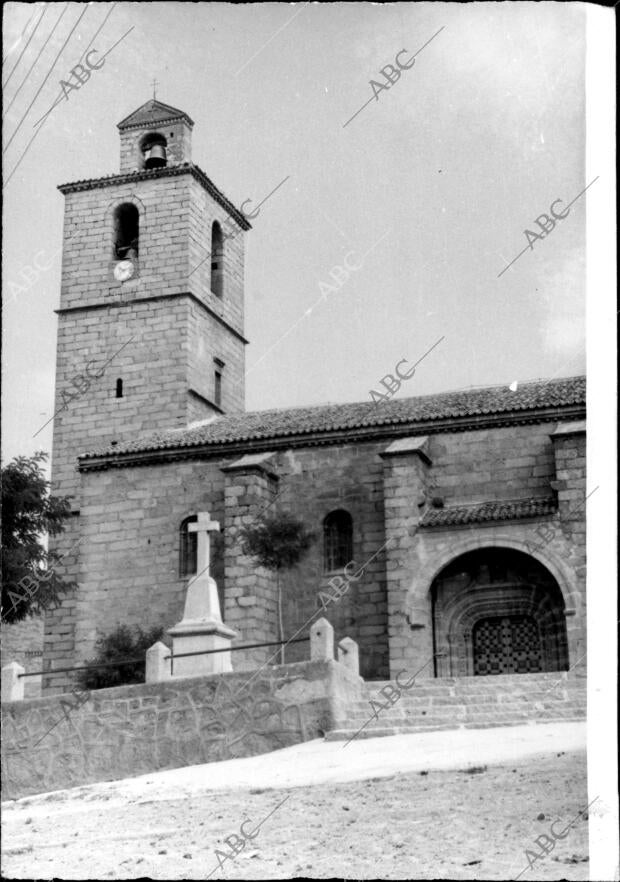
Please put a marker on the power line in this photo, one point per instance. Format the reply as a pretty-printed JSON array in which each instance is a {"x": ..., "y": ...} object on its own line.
[
  {"x": 28, "y": 145},
  {"x": 84, "y": 11},
  {"x": 85, "y": 52},
  {"x": 21, "y": 36},
  {"x": 26, "y": 46},
  {"x": 49, "y": 36}
]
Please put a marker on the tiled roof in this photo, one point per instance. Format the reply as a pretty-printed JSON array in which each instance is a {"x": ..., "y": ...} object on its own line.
[
  {"x": 153, "y": 112},
  {"x": 470, "y": 407},
  {"x": 489, "y": 511}
]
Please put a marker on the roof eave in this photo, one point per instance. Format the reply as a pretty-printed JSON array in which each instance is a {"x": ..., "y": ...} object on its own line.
[
  {"x": 315, "y": 438},
  {"x": 167, "y": 171}
]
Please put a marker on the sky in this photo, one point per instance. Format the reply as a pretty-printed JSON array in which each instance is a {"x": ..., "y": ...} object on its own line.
[{"x": 429, "y": 189}]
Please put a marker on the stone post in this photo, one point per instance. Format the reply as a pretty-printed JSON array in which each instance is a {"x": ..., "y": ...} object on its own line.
[
  {"x": 12, "y": 683},
  {"x": 348, "y": 655},
  {"x": 157, "y": 665},
  {"x": 321, "y": 641}
]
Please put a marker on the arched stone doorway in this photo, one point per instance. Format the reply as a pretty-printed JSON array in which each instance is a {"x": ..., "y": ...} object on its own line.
[{"x": 497, "y": 611}]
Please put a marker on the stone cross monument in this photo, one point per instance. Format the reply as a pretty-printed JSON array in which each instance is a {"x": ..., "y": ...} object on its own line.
[{"x": 201, "y": 626}]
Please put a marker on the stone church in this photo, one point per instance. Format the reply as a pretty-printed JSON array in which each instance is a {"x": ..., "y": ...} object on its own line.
[{"x": 463, "y": 513}]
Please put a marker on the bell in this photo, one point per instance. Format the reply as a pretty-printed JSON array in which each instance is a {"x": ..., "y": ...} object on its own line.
[{"x": 155, "y": 156}]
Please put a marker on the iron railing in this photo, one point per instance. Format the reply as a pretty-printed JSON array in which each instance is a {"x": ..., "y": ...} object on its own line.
[{"x": 130, "y": 661}]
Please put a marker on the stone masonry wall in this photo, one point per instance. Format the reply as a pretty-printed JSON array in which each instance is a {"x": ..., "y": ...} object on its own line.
[
  {"x": 251, "y": 605},
  {"x": 175, "y": 340},
  {"x": 132, "y": 730},
  {"x": 473, "y": 467},
  {"x": 313, "y": 482},
  {"x": 131, "y": 518},
  {"x": 570, "y": 461},
  {"x": 203, "y": 210}
]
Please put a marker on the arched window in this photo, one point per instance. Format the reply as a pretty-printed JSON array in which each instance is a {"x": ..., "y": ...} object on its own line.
[
  {"x": 119, "y": 388},
  {"x": 188, "y": 548},
  {"x": 217, "y": 260},
  {"x": 337, "y": 540},
  {"x": 126, "y": 231}
]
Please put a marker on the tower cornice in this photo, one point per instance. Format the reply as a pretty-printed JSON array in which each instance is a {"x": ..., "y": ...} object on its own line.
[
  {"x": 121, "y": 303},
  {"x": 188, "y": 168}
]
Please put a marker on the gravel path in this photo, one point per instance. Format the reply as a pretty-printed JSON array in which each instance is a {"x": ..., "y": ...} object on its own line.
[{"x": 473, "y": 824}]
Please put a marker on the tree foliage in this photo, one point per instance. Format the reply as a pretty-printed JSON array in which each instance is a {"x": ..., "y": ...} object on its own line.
[
  {"x": 29, "y": 582},
  {"x": 277, "y": 542},
  {"x": 122, "y": 643}
]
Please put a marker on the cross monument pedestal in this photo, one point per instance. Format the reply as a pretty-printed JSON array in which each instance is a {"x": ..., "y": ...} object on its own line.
[{"x": 201, "y": 626}]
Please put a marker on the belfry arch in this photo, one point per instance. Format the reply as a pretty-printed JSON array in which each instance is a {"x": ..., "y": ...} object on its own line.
[{"x": 497, "y": 611}]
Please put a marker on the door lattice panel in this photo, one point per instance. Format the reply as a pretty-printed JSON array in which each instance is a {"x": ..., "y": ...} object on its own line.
[{"x": 507, "y": 645}]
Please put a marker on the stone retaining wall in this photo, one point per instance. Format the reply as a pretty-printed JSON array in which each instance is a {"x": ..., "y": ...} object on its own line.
[{"x": 132, "y": 730}]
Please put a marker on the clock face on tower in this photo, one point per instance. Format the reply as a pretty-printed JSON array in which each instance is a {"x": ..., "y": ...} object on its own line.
[{"x": 123, "y": 270}]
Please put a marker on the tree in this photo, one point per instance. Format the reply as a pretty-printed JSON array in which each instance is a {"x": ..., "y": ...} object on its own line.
[
  {"x": 29, "y": 581},
  {"x": 277, "y": 542},
  {"x": 122, "y": 643}
]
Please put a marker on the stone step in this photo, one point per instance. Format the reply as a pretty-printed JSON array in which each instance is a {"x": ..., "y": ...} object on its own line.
[
  {"x": 435, "y": 688},
  {"x": 386, "y": 718},
  {"x": 468, "y": 702},
  {"x": 378, "y": 731},
  {"x": 482, "y": 683},
  {"x": 541, "y": 676},
  {"x": 440, "y": 704},
  {"x": 421, "y": 697},
  {"x": 398, "y": 713},
  {"x": 486, "y": 697}
]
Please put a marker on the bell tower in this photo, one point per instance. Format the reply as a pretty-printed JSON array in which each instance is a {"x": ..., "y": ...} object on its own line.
[{"x": 150, "y": 324}]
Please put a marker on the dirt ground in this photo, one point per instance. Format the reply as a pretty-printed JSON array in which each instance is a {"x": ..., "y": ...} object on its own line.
[{"x": 441, "y": 824}]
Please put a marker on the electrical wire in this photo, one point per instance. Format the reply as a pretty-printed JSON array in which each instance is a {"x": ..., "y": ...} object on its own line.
[
  {"x": 34, "y": 30},
  {"x": 82, "y": 14},
  {"x": 49, "y": 36}
]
